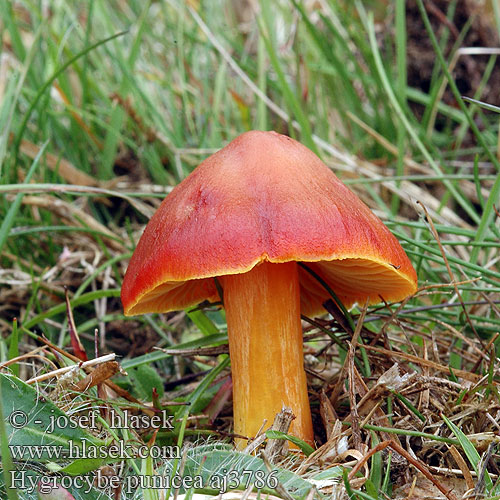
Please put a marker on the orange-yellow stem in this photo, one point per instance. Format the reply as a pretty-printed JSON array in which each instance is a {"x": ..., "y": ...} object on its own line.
[{"x": 265, "y": 345}]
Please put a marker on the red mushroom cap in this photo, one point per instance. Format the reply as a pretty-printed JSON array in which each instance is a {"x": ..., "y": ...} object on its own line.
[{"x": 264, "y": 197}]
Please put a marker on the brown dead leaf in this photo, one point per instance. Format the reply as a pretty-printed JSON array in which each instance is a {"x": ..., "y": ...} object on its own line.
[
  {"x": 100, "y": 374},
  {"x": 426, "y": 490}
]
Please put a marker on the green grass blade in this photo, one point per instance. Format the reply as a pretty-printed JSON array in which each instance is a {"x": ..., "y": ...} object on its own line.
[
  {"x": 305, "y": 447},
  {"x": 14, "y": 347},
  {"x": 464, "y": 203},
  {"x": 8, "y": 221},
  {"x": 48, "y": 83},
  {"x": 288, "y": 94},
  {"x": 470, "y": 451}
]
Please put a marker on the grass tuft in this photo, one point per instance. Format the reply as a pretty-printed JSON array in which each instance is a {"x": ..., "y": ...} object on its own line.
[{"x": 106, "y": 106}]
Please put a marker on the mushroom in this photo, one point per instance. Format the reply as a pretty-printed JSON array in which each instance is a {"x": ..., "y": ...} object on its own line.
[{"x": 246, "y": 216}]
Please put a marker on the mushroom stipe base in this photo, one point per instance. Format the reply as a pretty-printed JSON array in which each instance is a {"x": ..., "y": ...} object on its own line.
[{"x": 266, "y": 348}]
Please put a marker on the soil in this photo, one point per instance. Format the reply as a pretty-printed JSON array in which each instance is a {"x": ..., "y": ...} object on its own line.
[{"x": 469, "y": 69}]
